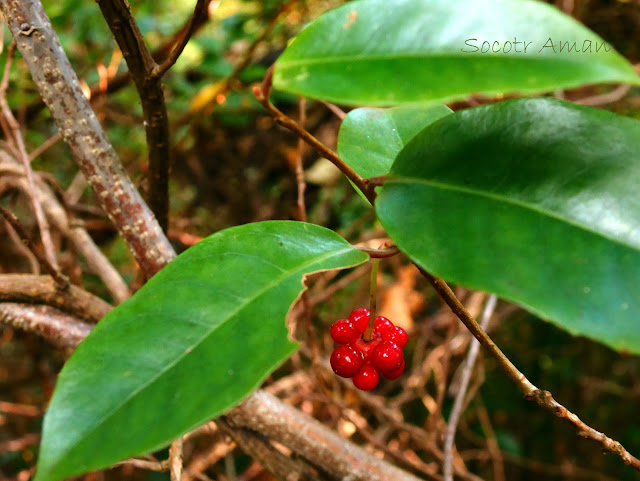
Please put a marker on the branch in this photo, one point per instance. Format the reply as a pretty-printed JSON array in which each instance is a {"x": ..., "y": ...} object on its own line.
[
  {"x": 35, "y": 289},
  {"x": 532, "y": 393},
  {"x": 260, "y": 449},
  {"x": 175, "y": 460},
  {"x": 616, "y": 94},
  {"x": 81, "y": 130},
  {"x": 156, "y": 122},
  {"x": 198, "y": 12},
  {"x": 56, "y": 327},
  {"x": 59, "y": 277},
  {"x": 319, "y": 445}
]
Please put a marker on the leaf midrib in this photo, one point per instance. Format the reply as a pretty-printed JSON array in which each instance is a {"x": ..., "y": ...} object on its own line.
[
  {"x": 565, "y": 58},
  {"x": 232, "y": 314},
  {"x": 508, "y": 200}
]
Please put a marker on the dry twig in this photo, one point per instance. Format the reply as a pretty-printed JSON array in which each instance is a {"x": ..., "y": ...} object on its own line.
[
  {"x": 262, "y": 95},
  {"x": 59, "y": 277},
  {"x": 56, "y": 327},
  {"x": 456, "y": 411},
  {"x": 16, "y": 137},
  {"x": 35, "y": 289}
]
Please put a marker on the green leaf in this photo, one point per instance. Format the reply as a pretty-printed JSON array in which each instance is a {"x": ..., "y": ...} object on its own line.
[
  {"x": 193, "y": 342},
  {"x": 367, "y": 52},
  {"x": 370, "y": 138},
  {"x": 536, "y": 200}
]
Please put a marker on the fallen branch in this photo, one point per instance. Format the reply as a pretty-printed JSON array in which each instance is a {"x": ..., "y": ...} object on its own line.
[
  {"x": 33, "y": 289},
  {"x": 56, "y": 327}
]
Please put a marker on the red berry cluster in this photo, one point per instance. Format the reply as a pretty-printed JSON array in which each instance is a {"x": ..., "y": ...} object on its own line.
[{"x": 365, "y": 361}]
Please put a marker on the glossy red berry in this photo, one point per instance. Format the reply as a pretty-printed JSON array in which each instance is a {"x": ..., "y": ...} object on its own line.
[
  {"x": 346, "y": 361},
  {"x": 360, "y": 319},
  {"x": 395, "y": 374},
  {"x": 343, "y": 332},
  {"x": 387, "y": 356},
  {"x": 367, "y": 378},
  {"x": 382, "y": 324},
  {"x": 396, "y": 335}
]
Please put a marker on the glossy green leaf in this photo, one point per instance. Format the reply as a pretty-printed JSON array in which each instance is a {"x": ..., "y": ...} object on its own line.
[
  {"x": 370, "y": 138},
  {"x": 380, "y": 53},
  {"x": 536, "y": 200},
  {"x": 194, "y": 341}
]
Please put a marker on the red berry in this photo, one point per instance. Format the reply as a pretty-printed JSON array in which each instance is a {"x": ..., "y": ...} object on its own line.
[
  {"x": 387, "y": 356},
  {"x": 382, "y": 324},
  {"x": 367, "y": 378},
  {"x": 395, "y": 374},
  {"x": 346, "y": 361},
  {"x": 360, "y": 319},
  {"x": 365, "y": 348},
  {"x": 343, "y": 332},
  {"x": 396, "y": 335}
]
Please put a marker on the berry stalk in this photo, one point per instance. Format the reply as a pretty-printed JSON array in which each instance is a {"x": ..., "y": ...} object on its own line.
[{"x": 373, "y": 294}]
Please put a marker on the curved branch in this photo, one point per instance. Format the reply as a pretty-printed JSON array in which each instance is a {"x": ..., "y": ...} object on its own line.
[
  {"x": 198, "y": 12},
  {"x": 35, "y": 289}
]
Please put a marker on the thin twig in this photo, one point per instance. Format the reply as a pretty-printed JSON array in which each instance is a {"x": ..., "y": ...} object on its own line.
[
  {"x": 199, "y": 10},
  {"x": 299, "y": 168},
  {"x": 226, "y": 83},
  {"x": 34, "y": 289},
  {"x": 335, "y": 109},
  {"x": 59, "y": 277},
  {"x": 456, "y": 411},
  {"x": 17, "y": 139},
  {"x": 616, "y": 94},
  {"x": 118, "y": 82},
  {"x": 492, "y": 443},
  {"x": 158, "y": 466},
  {"x": 543, "y": 398},
  {"x": 262, "y": 95},
  {"x": 33, "y": 260},
  {"x": 20, "y": 409},
  {"x": 29, "y": 439},
  {"x": 379, "y": 253},
  {"x": 175, "y": 460},
  {"x": 51, "y": 141}
]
